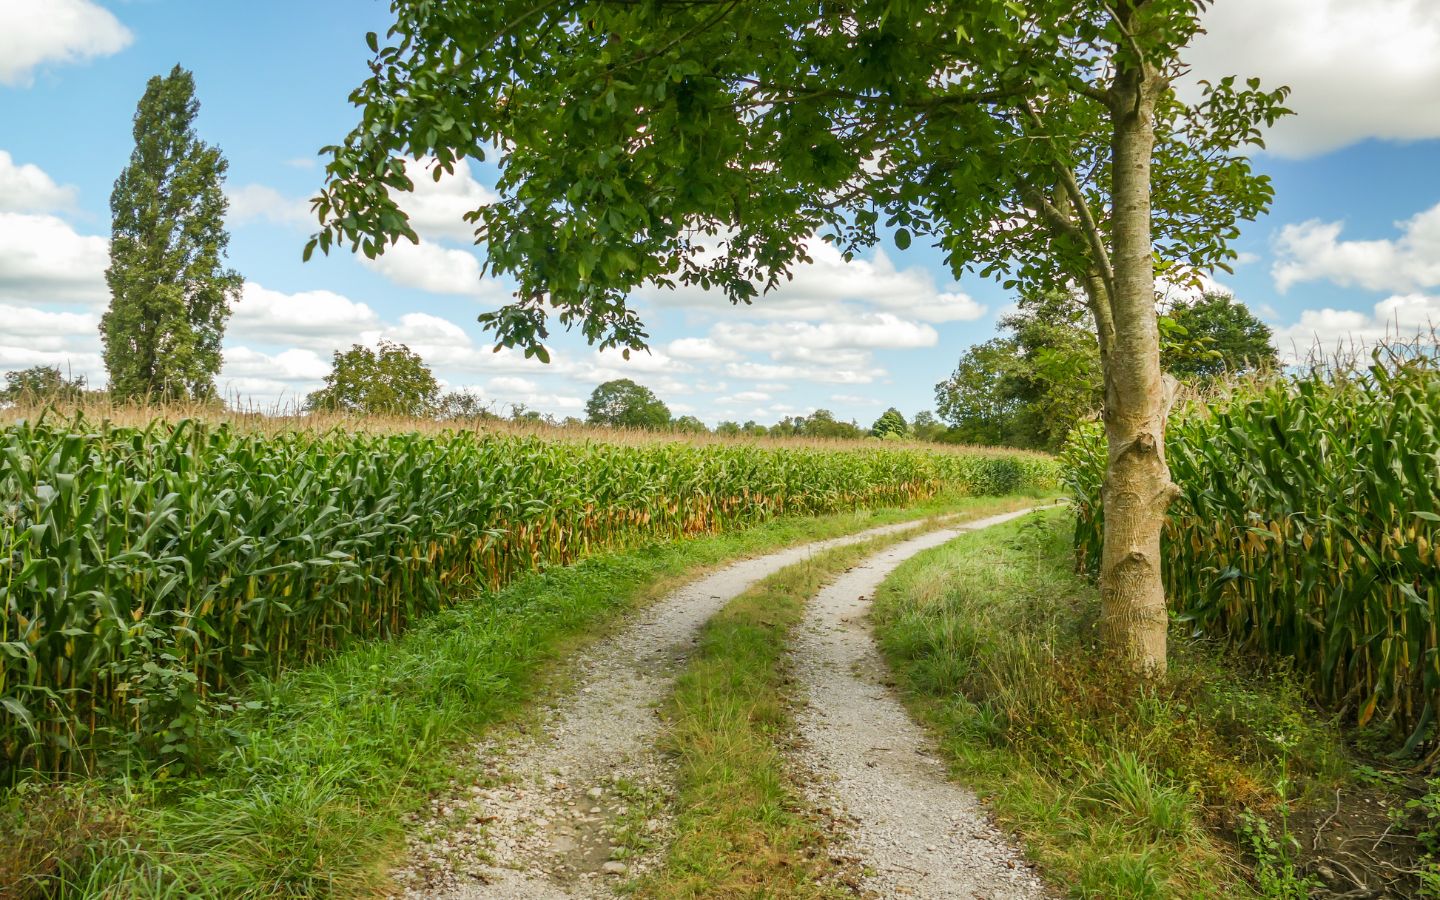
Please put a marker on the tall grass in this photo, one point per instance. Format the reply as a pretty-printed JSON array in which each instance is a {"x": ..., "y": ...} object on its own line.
[
  {"x": 144, "y": 571},
  {"x": 1307, "y": 529}
]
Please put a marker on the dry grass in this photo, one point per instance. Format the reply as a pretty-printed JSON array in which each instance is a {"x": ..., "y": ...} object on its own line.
[{"x": 291, "y": 419}]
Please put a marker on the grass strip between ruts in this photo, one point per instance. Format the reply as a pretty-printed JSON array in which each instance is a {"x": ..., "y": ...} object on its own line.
[
  {"x": 740, "y": 828},
  {"x": 307, "y": 795}
]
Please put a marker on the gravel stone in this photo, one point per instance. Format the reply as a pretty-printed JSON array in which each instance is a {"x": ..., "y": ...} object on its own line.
[
  {"x": 606, "y": 730},
  {"x": 912, "y": 831}
]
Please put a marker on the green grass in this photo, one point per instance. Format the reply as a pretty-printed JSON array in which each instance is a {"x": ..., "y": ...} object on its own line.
[
  {"x": 1119, "y": 789},
  {"x": 306, "y": 794},
  {"x": 740, "y": 831}
]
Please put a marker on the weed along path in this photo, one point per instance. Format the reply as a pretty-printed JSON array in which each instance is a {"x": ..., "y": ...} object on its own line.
[
  {"x": 913, "y": 832},
  {"x": 578, "y": 806}
]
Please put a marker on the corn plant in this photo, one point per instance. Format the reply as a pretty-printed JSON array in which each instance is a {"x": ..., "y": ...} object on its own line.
[
  {"x": 146, "y": 571},
  {"x": 1307, "y": 530}
]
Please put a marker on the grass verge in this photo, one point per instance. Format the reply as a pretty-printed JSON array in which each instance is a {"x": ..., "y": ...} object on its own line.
[
  {"x": 1120, "y": 789},
  {"x": 305, "y": 789},
  {"x": 740, "y": 831}
]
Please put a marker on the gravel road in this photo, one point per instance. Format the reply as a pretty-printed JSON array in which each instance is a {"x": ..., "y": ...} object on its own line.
[
  {"x": 580, "y": 806},
  {"x": 913, "y": 832}
]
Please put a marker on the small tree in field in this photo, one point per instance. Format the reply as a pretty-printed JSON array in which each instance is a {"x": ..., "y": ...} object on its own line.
[
  {"x": 170, "y": 292},
  {"x": 890, "y": 424},
  {"x": 390, "y": 381},
  {"x": 624, "y": 404},
  {"x": 1216, "y": 335},
  {"x": 41, "y": 384},
  {"x": 674, "y": 142},
  {"x": 689, "y": 425}
]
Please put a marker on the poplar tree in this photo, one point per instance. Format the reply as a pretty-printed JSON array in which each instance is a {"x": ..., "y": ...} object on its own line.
[
  {"x": 170, "y": 291},
  {"x": 706, "y": 142}
]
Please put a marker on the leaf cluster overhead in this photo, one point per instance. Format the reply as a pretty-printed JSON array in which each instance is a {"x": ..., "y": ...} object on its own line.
[{"x": 702, "y": 142}]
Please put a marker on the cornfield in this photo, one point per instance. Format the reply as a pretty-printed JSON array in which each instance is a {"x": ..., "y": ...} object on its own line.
[
  {"x": 144, "y": 572},
  {"x": 1307, "y": 530}
]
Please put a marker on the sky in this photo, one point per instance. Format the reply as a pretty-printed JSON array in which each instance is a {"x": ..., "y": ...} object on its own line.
[{"x": 1349, "y": 252}]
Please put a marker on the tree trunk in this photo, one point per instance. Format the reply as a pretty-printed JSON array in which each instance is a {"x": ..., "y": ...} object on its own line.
[{"x": 1137, "y": 489}]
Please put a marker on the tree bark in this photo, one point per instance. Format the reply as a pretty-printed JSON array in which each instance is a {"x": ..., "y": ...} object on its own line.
[{"x": 1137, "y": 489}]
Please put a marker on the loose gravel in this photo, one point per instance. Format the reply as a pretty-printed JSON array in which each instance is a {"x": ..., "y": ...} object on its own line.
[
  {"x": 912, "y": 832},
  {"x": 580, "y": 807}
]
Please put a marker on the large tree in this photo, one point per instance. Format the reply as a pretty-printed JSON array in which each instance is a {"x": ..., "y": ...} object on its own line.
[
  {"x": 170, "y": 290},
  {"x": 704, "y": 143},
  {"x": 391, "y": 380},
  {"x": 622, "y": 403}
]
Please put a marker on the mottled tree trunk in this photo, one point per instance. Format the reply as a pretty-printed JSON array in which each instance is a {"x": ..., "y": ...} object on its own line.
[{"x": 1137, "y": 489}]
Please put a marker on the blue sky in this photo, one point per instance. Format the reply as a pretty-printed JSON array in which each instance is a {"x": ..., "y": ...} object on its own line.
[{"x": 1350, "y": 250}]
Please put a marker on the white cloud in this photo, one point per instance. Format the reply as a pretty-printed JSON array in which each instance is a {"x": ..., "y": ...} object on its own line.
[
  {"x": 309, "y": 326},
  {"x": 36, "y": 325},
  {"x": 437, "y": 209},
  {"x": 250, "y": 379},
  {"x": 35, "y": 337},
  {"x": 858, "y": 374},
  {"x": 293, "y": 365},
  {"x": 72, "y": 363},
  {"x": 314, "y": 320},
  {"x": 830, "y": 288},
  {"x": 1359, "y": 68},
  {"x": 1313, "y": 250},
  {"x": 854, "y": 400},
  {"x": 507, "y": 384},
  {"x": 1399, "y": 317},
  {"x": 746, "y": 397},
  {"x": 27, "y": 188},
  {"x": 502, "y": 395},
  {"x": 33, "y": 33},
  {"x": 700, "y": 350},
  {"x": 795, "y": 340},
  {"x": 258, "y": 203},
  {"x": 43, "y": 260},
  {"x": 433, "y": 268}
]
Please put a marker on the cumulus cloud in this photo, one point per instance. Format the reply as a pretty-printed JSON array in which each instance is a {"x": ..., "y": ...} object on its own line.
[
  {"x": 27, "y": 188},
  {"x": 314, "y": 320},
  {"x": 259, "y": 203},
  {"x": 700, "y": 350},
  {"x": 55, "y": 31},
  {"x": 793, "y": 340},
  {"x": 437, "y": 208},
  {"x": 293, "y": 365},
  {"x": 36, "y": 337},
  {"x": 1398, "y": 317},
  {"x": 307, "y": 327},
  {"x": 858, "y": 372},
  {"x": 1359, "y": 68},
  {"x": 43, "y": 260},
  {"x": 745, "y": 397},
  {"x": 42, "y": 329},
  {"x": 502, "y": 395},
  {"x": 1313, "y": 250},
  {"x": 435, "y": 269},
  {"x": 829, "y": 287},
  {"x": 72, "y": 363}
]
